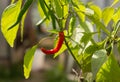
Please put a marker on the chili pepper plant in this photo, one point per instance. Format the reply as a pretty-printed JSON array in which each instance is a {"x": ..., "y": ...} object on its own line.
[{"x": 90, "y": 34}]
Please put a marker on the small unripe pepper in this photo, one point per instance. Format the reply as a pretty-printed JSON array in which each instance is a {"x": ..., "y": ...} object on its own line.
[{"x": 58, "y": 45}]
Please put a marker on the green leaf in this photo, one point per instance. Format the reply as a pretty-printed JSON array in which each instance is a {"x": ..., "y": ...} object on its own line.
[
  {"x": 42, "y": 16},
  {"x": 77, "y": 52},
  {"x": 116, "y": 28},
  {"x": 28, "y": 59},
  {"x": 79, "y": 10},
  {"x": 53, "y": 19},
  {"x": 58, "y": 8},
  {"x": 22, "y": 12},
  {"x": 63, "y": 48},
  {"x": 87, "y": 56},
  {"x": 114, "y": 2},
  {"x": 9, "y": 17},
  {"x": 86, "y": 38},
  {"x": 65, "y": 9},
  {"x": 89, "y": 11},
  {"x": 86, "y": 26},
  {"x": 77, "y": 35},
  {"x": 89, "y": 27},
  {"x": 43, "y": 7},
  {"x": 65, "y": 2},
  {"x": 71, "y": 25},
  {"x": 12, "y": 1},
  {"x": 107, "y": 15},
  {"x": 116, "y": 16},
  {"x": 109, "y": 72},
  {"x": 98, "y": 24},
  {"x": 97, "y": 11},
  {"x": 98, "y": 58},
  {"x": 75, "y": 3}
]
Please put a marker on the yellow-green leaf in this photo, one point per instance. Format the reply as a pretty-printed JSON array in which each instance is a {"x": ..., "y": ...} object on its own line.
[
  {"x": 9, "y": 17},
  {"x": 97, "y": 11},
  {"x": 115, "y": 2},
  {"x": 58, "y": 8},
  {"x": 28, "y": 59},
  {"x": 98, "y": 59},
  {"x": 42, "y": 15},
  {"x": 79, "y": 11},
  {"x": 12, "y": 1},
  {"x": 63, "y": 48},
  {"x": 110, "y": 71},
  {"x": 116, "y": 16},
  {"x": 107, "y": 15},
  {"x": 65, "y": 10}
]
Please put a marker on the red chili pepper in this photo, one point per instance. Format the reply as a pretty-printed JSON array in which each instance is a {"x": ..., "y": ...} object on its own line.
[{"x": 58, "y": 45}]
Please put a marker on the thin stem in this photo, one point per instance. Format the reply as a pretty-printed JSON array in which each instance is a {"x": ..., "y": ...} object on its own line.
[
  {"x": 77, "y": 43},
  {"x": 66, "y": 43},
  {"x": 57, "y": 19},
  {"x": 42, "y": 40},
  {"x": 115, "y": 30},
  {"x": 67, "y": 21},
  {"x": 93, "y": 42}
]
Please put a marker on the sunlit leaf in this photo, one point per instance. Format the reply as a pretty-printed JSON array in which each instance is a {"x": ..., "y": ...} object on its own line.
[
  {"x": 79, "y": 10},
  {"x": 63, "y": 48},
  {"x": 86, "y": 38},
  {"x": 53, "y": 20},
  {"x": 115, "y": 2},
  {"x": 97, "y": 11},
  {"x": 58, "y": 8},
  {"x": 22, "y": 12},
  {"x": 28, "y": 59},
  {"x": 65, "y": 2},
  {"x": 12, "y": 1},
  {"x": 77, "y": 53},
  {"x": 110, "y": 71},
  {"x": 65, "y": 13},
  {"x": 9, "y": 17},
  {"x": 75, "y": 3},
  {"x": 77, "y": 35},
  {"x": 44, "y": 9},
  {"x": 87, "y": 56},
  {"x": 72, "y": 25},
  {"x": 116, "y": 16},
  {"x": 89, "y": 11},
  {"x": 98, "y": 58},
  {"x": 89, "y": 26},
  {"x": 98, "y": 24},
  {"x": 107, "y": 15},
  {"x": 116, "y": 28},
  {"x": 42, "y": 15},
  {"x": 65, "y": 10}
]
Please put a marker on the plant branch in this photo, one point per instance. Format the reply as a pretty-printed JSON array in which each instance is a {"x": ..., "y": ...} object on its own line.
[
  {"x": 52, "y": 12},
  {"x": 66, "y": 43},
  {"x": 77, "y": 43}
]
